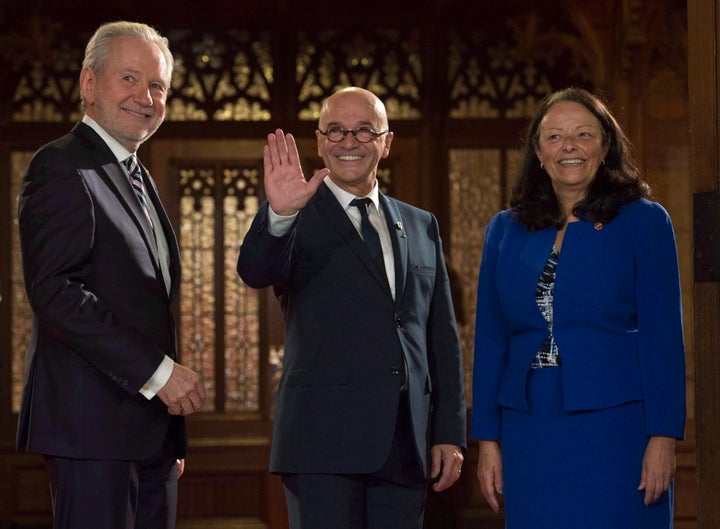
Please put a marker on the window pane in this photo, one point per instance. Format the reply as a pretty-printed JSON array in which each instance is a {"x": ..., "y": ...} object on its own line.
[
  {"x": 242, "y": 327},
  {"x": 219, "y": 314},
  {"x": 477, "y": 191}
]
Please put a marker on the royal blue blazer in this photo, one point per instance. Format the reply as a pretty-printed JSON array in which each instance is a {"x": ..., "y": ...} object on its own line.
[{"x": 617, "y": 318}]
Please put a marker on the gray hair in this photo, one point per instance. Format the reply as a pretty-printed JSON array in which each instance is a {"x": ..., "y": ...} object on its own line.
[{"x": 98, "y": 47}]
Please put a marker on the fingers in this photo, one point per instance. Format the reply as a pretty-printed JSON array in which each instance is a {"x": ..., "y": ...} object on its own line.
[
  {"x": 281, "y": 149},
  {"x": 447, "y": 478},
  {"x": 272, "y": 149},
  {"x": 489, "y": 473},
  {"x": 446, "y": 466},
  {"x": 286, "y": 189},
  {"x": 291, "y": 151},
  {"x": 317, "y": 178},
  {"x": 653, "y": 487},
  {"x": 643, "y": 486},
  {"x": 267, "y": 160},
  {"x": 658, "y": 468},
  {"x": 184, "y": 392},
  {"x": 189, "y": 404},
  {"x": 498, "y": 485},
  {"x": 652, "y": 493},
  {"x": 490, "y": 488}
]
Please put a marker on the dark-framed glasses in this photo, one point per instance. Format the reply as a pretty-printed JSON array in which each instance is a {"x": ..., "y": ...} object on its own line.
[{"x": 363, "y": 134}]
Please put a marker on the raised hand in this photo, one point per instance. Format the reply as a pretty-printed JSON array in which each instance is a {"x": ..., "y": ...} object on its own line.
[{"x": 286, "y": 189}]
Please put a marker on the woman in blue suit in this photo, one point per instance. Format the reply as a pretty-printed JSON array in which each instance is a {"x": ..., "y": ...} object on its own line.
[{"x": 579, "y": 381}]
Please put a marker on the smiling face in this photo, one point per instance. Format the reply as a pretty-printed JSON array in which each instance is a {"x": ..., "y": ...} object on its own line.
[
  {"x": 570, "y": 146},
  {"x": 128, "y": 98},
  {"x": 353, "y": 165}
]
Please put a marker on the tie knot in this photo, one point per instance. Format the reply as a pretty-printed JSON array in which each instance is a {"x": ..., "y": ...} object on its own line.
[{"x": 362, "y": 204}]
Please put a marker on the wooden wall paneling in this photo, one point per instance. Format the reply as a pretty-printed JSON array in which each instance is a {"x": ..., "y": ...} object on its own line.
[
  {"x": 686, "y": 482},
  {"x": 6, "y": 424},
  {"x": 7, "y": 419},
  {"x": 24, "y": 492},
  {"x": 258, "y": 498},
  {"x": 24, "y": 496},
  {"x": 703, "y": 67}
]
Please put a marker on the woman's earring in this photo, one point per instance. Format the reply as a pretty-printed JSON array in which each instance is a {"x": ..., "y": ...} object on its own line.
[{"x": 542, "y": 166}]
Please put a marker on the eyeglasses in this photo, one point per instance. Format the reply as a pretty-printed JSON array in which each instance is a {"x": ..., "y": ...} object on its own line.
[{"x": 363, "y": 134}]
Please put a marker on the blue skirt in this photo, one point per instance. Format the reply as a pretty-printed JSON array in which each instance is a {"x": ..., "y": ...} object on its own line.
[{"x": 575, "y": 470}]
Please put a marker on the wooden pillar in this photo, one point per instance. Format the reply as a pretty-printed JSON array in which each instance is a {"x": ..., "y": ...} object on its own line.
[{"x": 704, "y": 90}]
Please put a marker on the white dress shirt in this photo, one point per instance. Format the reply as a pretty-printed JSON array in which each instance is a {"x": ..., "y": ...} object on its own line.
[
  {"x": 278, "y": 225},
  {"x": 164, "y": 370}
]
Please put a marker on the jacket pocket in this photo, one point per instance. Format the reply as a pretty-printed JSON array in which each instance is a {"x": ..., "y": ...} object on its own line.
[{"x": 425, "y": 269}]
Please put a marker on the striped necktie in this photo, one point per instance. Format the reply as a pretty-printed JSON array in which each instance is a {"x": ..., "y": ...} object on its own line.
[{"x": 136, "y": 180}]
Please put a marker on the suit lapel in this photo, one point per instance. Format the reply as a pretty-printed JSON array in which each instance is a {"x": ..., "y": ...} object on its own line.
[
  {"x": 109, "y": 170},
  {"x": 399, "y": 239},
  {"x": 338, "y": 219},
  {"x": 120, "y": 181},
  {"x": 167, "y": 230}
]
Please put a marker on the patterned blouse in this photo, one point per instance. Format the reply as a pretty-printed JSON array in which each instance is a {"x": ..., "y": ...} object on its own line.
[{"x": 548, "y": 354}]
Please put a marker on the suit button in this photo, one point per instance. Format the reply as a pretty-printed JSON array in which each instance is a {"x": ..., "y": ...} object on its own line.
[
  {"x": 395, "y": 370},
  {"x": 398, "y": 323}
]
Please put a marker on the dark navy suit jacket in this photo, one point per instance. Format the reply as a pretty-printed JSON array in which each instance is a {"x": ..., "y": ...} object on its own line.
[
  {"x": 101, "y": 312},
  {"x": 617, "y": 318},
  {"x": 346, "y": 337}
]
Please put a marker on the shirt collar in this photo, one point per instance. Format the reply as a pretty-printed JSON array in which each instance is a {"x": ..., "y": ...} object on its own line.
[
  {"x": 345, "y": 198},
  {"x": 117, "y": 149}
]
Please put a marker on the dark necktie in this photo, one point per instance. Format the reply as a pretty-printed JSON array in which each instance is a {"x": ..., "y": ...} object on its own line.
[
  {"x": 370, "y": 236},
  {"x": 136, "y": 179}
]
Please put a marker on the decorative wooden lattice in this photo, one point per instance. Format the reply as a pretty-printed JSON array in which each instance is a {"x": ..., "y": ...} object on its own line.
[{"x": 231, "y": 76}]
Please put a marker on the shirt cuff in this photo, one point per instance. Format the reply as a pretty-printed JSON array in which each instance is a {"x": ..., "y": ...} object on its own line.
[
  {"x": 159, "y": 378},
  {"x": 279, "y": 225}
]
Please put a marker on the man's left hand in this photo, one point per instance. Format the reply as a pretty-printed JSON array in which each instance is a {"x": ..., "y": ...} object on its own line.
[{"x": 446, "y": 466}]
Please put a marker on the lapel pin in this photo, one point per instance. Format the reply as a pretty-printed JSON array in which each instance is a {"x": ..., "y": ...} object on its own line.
[{"x": 398, "y": 225}]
